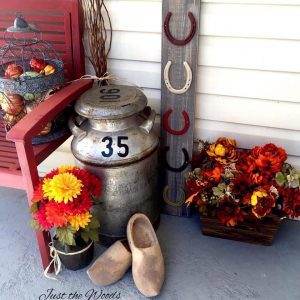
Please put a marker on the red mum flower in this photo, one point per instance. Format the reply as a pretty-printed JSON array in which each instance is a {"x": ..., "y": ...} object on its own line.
[
  {"x": 41, "y": 218},
  {"x": 81, "y": 204},
  {"x": 51, "y": 174},
  {"x": 95, "y": 186},
  {"x": 291, "y": 202},
  {"x": 269, "y": 158},
  {"x": 56, "y": 214},
  {"x": 91, "y": 182},
  {"x": 242, "y": 184},
  {"x": 263, "y": 202},
  {"x": 229, "y": 213}
]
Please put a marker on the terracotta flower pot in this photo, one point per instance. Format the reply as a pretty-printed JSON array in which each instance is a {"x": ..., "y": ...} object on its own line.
[
  {"x": 75, "y": 257},
  {"x": 252, "y": 230}
]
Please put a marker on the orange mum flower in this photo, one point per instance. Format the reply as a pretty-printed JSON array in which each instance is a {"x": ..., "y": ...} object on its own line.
[
  {"x": 223, "y": 150},
  {"x": 214, "y": 174},
  {"x": 80, "y": 220},
  {"x": 38, "y": 194}
]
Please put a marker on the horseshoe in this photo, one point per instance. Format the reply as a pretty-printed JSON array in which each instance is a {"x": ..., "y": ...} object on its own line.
[
  {"x": 170, "y": 36},
  {"x": 172, "y": 131},
  {"x": 189, "y": 78},
  {"x": 184, "y": 165},
  {"x": 172, "y": 202}
]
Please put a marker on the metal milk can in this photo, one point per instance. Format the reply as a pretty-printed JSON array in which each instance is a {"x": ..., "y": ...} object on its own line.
[{"x": 113, "y": 139}]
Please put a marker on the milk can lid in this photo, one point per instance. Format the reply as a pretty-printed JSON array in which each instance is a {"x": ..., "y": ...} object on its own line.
[{"x": 110, "y": 102}]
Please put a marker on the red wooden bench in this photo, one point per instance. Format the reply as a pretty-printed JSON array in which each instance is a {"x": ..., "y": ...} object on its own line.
[{"x": 60, "y": 22}]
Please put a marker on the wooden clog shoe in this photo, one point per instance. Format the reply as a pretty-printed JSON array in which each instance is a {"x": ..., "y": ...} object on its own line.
[
  {"x": 147, "y": 261},
  {"x": 111, "y": 265}
]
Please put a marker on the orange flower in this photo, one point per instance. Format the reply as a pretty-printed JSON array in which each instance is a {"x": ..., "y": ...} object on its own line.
[
  {"x": 214, "y": 174},
  {"x": 38, "y": 194},
  {"x": 223, "y": 150}
]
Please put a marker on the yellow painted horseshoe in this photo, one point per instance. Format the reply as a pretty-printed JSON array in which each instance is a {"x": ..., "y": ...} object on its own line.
[
  {"x": 172, "y": 202},
  {"x": 189, "y": 78}
]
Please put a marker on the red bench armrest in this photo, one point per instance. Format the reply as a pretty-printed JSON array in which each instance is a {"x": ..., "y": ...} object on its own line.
[{"x": 37, "y": 119}]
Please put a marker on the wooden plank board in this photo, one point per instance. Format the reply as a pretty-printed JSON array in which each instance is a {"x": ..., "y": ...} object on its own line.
[
  {"x": 229, "y": 52},
  {"x": 173, "y": 182},
  {"x": 268, "y": 85},
  {"x": 217, "y": 19},
  {"x": 269, "y": 2},
  {"x": 232, "y": 110}
]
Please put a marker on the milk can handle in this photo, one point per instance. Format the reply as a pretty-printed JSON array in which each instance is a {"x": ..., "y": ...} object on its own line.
[
  {"x": 77, "y": 131},
  {"x": 148, "y": 124}
]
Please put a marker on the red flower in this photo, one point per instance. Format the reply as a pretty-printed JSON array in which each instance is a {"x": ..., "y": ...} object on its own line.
[
  {"x": 56, "y": 214},
  {"x": 291, "y": 202},
  {"x": 51, "y": 174},
  {"x": 81, "y": 204},
  {"x": 262, "y": 201},
  {"x": 229, "y": 213},
  {"x": 269, "y": 158},
  {"x": 242, "y": 184},
  {"x": 196, "y": 186},
  {"x": 91, "y": 182},
  {"x": 40, "y": 216}
]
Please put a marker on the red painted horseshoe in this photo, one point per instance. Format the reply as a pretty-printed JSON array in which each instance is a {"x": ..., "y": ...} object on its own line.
[
  {"x": 172, "y": 131},
  {"x": 190, "y": 35}
]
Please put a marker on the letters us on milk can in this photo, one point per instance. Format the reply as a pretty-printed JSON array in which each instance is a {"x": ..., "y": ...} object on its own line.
[{"x": 113, "y": 139}]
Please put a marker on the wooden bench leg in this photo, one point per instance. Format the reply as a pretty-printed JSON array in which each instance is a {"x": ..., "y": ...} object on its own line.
[
  {"x": 31, "y": 178},
  {"x": 44, "y": 239}
]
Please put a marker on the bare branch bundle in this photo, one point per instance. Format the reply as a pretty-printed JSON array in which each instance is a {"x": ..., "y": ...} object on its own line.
[{"x": 98, "y": 25}]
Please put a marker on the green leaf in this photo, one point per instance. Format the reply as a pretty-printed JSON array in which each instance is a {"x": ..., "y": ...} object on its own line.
[
  {"x": 217, "y": 191},
  {"x": 84, "y": 235},
  {"x": 279, "y": 178},
  {"x": 33, "y": 208},
  {"x": 66, "y": 235},
  {"x": 94, "y": 235},
  {"x": 94, "y": 223},
  {"x": 35, "y": 225}
]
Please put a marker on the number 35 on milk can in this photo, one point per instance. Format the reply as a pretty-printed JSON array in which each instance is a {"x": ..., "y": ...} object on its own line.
[{"x": 113, "y": 139}]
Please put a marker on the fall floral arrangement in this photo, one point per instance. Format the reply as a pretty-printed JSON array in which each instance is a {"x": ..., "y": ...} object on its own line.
[
  {"x": 63, "y": 201},
  {"x": 231, "y": 184}
]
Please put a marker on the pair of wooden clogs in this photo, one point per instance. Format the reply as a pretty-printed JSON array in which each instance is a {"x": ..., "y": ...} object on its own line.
[{"x": 142, "y": 251}]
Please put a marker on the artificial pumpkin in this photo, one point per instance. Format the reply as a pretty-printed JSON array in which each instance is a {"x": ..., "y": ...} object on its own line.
[
  {"x": 13, "y": 71},
  {"x": 37, "y": 65},
  {"x": 12, "y": 104},
  {"x": 49, "y": 69}
]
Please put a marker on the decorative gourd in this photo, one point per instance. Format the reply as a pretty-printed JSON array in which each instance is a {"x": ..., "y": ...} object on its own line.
[
  {"x": 49, "y": 69},
  {"x": 13, "y": 71},
  {"x": 12, "y": 104},
  {"x": 37, "y": 65}
]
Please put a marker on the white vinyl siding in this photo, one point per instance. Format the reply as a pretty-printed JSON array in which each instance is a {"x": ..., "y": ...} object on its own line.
[{"x": 248, "y": 83}]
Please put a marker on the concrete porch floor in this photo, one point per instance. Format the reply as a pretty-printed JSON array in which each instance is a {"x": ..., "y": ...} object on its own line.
[{"x": 197, "y": 267}]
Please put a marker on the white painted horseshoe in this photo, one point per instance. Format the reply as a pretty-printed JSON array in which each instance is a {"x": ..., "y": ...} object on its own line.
[{"x": 189, "y": 78}]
